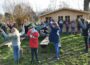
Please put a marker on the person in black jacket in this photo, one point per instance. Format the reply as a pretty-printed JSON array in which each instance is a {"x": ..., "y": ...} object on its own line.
[{"x": 85, "y": 27}]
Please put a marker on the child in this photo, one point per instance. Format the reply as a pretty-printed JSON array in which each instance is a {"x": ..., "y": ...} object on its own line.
[
  {"x": 60, "y": 22},
  {"x": 54, "y": 38},
  {"x": 16, "y": 43},
  {"x": 67, "y": 26},
  {"x": 33, "y": 35},
  {"x": 73, "y": 27}
]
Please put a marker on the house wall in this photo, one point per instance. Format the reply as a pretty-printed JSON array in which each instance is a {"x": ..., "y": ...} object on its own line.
[{"x": 72, "y": 14}]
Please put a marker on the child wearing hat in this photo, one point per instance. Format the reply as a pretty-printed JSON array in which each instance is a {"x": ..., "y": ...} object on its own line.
[{"x": 33, "y": 42}]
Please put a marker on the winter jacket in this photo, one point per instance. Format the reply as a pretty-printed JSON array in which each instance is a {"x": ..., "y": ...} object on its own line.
[
  {"x": 33, "y": 35},
  {"x": 54, "y": 35},
  {"x": 15, "y": 37}
]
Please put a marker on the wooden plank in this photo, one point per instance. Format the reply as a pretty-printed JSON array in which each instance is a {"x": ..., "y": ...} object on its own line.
[
  {"x": 45, "y": 41},
  {"x": 8, "y": 43}
]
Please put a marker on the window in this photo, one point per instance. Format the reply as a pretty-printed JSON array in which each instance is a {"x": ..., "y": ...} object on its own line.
[
  {"x": 78, "y": 16},
  {"x": 60, "y": 17},
  {"x": 48, "y": 18},
  {"x": 67, "y": 17}
]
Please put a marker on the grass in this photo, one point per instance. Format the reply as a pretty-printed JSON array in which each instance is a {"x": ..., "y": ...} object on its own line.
[{"x": 71, "y": 53}]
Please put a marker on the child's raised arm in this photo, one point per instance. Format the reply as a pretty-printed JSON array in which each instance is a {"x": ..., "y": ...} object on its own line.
[{"x": 23, "y": 31}]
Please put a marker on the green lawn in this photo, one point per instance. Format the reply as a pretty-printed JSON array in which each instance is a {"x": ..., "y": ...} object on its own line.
[{"x": 71, "y": 53}]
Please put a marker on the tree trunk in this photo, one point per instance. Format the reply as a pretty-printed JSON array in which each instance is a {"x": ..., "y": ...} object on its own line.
[{"x": 86, "y": 5}]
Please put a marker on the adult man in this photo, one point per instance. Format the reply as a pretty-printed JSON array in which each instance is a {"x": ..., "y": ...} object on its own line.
[{"x": 85, "y": 28}]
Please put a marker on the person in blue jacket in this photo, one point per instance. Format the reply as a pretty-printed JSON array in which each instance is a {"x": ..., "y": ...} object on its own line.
[{"x": 54, "y": 37}]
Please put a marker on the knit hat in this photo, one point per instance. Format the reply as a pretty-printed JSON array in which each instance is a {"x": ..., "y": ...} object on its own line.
[{"x": 31, "y": 25}]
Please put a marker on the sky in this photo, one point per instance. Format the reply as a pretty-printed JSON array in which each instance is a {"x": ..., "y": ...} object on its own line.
[
  {"x": 43, "y": 4},
  {"x": 39, "y": 5}
]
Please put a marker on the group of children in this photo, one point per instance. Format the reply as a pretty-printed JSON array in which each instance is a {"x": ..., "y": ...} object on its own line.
[
  {"x": 33, "y": 35},
  {"x": 82, "y": 26},
  {"x": 15, "y": 35},
  {"x": 54, "y": 37}
]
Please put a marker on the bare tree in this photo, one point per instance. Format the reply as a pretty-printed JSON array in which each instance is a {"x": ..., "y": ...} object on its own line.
[
  {"x": 23, "y": 11},
  {"x": 63, "y": 4},
  {"x": 19, "y": 10},
  {"x": 52, "y": 5}
]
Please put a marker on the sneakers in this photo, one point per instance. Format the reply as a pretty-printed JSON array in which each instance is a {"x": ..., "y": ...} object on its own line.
[
  {"x": 38, "y": 61},
  {"x": 58, "y": 58},
  {"x": 16, "y": 62}
]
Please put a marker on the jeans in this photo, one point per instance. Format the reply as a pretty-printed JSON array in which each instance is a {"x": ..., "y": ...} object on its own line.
[
  {"x": 34, "y": 53},
  {"x": 16, "y": 50},
  {"x": 61, "y": 29},
  {"x": 73, "y": 30},
  {"x": 67, "y": 30},
  {"x": 57, "y": 50},
  {"x": 86, "y": 43}
]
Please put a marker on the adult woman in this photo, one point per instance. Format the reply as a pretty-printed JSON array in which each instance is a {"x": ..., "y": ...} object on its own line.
[
  {"x": 85, "y": 27},
  {"x": 15, "y": 36}
]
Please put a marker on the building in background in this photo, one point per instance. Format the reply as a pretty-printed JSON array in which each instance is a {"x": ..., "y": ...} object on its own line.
[{"x": 64, "y": 13}]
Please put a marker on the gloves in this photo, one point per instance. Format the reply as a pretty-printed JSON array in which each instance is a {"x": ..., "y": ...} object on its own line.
[
  {"x": 58, "y": 32},
  {"x": 31, "y": 36}
]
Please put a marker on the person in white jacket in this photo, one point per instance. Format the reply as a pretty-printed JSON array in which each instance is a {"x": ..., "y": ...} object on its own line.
[{"x": 15, "y": 36}]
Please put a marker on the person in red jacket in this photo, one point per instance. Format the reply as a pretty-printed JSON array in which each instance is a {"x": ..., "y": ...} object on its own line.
[{"x": 33, "y": 42}]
